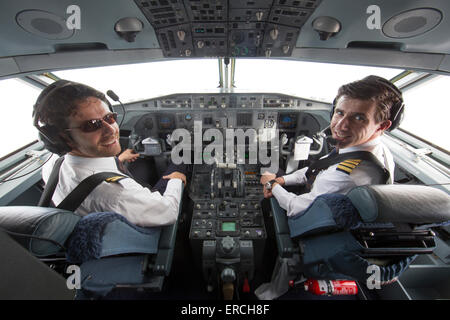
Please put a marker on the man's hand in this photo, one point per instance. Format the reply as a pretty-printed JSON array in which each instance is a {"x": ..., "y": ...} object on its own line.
[
  {"x": 266, "y": 177},
  {"x": 128, "y": 155},
  {"x": 267, "y": 193},
  {"x": 176, "y": 175}
]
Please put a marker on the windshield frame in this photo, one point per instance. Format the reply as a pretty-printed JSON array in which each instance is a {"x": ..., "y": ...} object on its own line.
[{"x": 284, "y": 76}]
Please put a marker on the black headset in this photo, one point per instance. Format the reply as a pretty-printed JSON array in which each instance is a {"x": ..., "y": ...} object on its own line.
[
  {"x": 396, "y": 110},
  {"x": 50, "y": 135}
]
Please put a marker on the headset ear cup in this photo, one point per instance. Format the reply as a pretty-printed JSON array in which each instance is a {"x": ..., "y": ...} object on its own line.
[
  {"x": 396, "y": 112},
  {"x": 333, "y": 106},
  {"x": 53, "y": 142},
  {"x": 109, "y": 105},
  {"x": 396, "y": 115}
]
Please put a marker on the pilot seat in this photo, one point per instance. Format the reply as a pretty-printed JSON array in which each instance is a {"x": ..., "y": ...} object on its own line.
[
  {"x": 108, "y": 251},
  {"x": 347, "y": 237}
]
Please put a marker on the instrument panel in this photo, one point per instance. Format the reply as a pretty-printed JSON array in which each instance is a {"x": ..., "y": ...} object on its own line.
[
  {"x": 227, "y": 231},
  {"x": 220, "y": 28},
  {"x": 160, "y": 116},
  {"x": 214, "y": 101}
]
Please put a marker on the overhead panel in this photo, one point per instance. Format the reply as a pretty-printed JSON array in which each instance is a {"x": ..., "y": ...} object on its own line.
[{"x": 227, "y": 28}]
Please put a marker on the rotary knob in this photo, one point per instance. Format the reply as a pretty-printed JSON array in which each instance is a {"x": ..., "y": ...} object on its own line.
[
  {"x": 228, "y": 244},
  {"x": 228, "y": 275}
]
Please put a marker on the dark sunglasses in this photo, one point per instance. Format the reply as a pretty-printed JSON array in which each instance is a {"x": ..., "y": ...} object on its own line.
[{"x": 95, "y": 124}]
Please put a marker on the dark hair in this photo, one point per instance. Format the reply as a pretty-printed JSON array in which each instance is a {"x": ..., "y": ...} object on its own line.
[
  {"x": 60, "y": 100},
  {"x": 383, "y": 92}
]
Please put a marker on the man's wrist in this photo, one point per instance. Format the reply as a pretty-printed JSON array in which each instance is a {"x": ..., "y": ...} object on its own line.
[{"x": 270, "y": 184}]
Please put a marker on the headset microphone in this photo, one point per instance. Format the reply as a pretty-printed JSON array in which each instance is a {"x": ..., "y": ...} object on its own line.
[
  {"x": 332, "y": 141},
  {"x": 112, "y": 95},
  {"x": 320, "y": 138},
  {"x": 115, "y": 97},
  {"x": 328, "y": 136}
]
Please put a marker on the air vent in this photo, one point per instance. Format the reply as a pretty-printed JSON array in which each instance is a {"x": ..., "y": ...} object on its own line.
[
  {"x": 44, "y": 24},
  {"x": 412, "y": 23}
]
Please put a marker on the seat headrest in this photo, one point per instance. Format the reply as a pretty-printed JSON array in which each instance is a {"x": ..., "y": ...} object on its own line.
[
  {"x": 49, "y": 223},
  {"x": 413, "y": 204}
]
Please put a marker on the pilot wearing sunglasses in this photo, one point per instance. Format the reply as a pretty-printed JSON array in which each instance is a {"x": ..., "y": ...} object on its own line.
[{"x": 76, "y": 121}]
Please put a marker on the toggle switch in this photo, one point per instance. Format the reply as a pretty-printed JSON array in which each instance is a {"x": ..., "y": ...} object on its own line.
[
  {"x": 181, "y": 35},
  {"x": 274, "y": 33},
  {"x": 259, "y": 15}
]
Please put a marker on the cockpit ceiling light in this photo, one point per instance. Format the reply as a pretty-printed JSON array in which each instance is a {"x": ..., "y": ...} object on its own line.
[
  {"x": 128, "y": 28},
  {"x": 326, "y": 27},
  {"x": 44, "y": 24},
  {"x": 412, "y": 23}
]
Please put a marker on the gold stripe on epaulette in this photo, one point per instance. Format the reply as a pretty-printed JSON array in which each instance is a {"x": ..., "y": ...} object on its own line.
[
  {"x": 348, "y": 165},
  {"x": 344, "y": 169},
  {"x": 114, "y": 179},
  {"x": 353, "y": 161}
]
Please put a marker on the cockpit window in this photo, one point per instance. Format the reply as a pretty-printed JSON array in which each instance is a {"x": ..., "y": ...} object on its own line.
[
  {"x": 427, "y": 111},
  {"x": 134, "y": 82},
  {"x": 318, "y": 81},
  {"x": 16, "y": 129}
]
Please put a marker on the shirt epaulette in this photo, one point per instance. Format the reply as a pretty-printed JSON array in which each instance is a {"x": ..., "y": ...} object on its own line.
[
  {"x": 348, "y": 165},
  {"x": 114, "y": 179}
]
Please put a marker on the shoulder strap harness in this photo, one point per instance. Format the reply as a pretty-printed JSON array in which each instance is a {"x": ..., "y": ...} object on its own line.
[
  {"x": 347, "y": 162},
  {"x": 77, "y": 196}
]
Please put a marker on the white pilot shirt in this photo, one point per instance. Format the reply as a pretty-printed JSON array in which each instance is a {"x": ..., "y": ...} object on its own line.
[
  {"x": 127, "y": 197},
  {"x": 335, "y": 181}
]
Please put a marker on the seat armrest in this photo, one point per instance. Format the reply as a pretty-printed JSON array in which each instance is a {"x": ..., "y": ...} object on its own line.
[
  {"x": 166, "y": 247},
  {"x": 279, "y": 217},
  {"x": 286, "y": 247}
]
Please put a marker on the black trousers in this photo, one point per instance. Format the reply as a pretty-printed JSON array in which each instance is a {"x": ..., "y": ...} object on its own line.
[{"x": 161, "y": 185}]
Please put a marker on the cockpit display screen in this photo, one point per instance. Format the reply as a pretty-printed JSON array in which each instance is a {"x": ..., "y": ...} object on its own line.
[
  {"x": 287, "y": 121},
  {"x": 229, "y": 226},
  {"x": 166, "y": 122}
]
